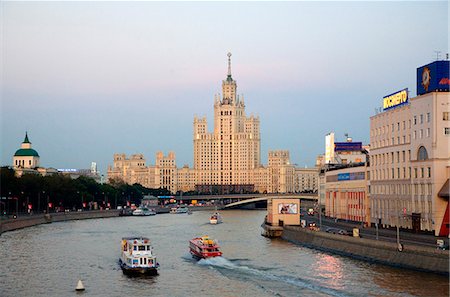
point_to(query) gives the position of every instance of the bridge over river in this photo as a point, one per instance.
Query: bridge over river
(243, 200)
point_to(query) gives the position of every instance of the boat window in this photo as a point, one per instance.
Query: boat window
(134, 248)
(145, 261)
(148, 247)
(142, 247)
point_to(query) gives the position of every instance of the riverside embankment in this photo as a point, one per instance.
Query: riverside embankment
(38, 219)
(412, 256)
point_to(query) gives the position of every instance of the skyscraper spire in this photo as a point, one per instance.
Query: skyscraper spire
(229, 66)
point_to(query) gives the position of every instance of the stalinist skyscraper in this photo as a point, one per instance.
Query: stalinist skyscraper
(228, 155)
(226, 160)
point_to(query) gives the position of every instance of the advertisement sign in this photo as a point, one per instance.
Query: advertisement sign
(347, 146)
(287, 208)
(343, 176)
(433, 77)
(396, 99)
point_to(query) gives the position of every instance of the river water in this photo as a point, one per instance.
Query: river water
(48, 260)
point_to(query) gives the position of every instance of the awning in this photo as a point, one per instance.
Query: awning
(444, 192)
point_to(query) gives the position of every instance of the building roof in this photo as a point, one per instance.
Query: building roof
(26, 153)
(26, 138)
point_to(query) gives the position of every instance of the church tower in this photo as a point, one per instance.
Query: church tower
(26, 157)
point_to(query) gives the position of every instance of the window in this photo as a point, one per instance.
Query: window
(421, 133)
(422, 154)
(414, 134)
(429, 171)
(398, 126)
(446, 131)
(445, 116)
(415, 120)
(427, 132)
(428, 117)
(421, 118)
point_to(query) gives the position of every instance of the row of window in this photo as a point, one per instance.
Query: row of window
(402, 173)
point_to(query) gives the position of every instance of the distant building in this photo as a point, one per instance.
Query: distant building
(306, 180)
(343, 152)
(226, 160)
(410, 157)
(25, 157)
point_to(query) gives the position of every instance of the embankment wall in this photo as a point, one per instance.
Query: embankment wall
(412, 257)
(28, 221)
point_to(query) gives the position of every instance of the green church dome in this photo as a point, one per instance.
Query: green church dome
(26, 153)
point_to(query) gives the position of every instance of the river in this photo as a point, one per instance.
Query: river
(48, 260)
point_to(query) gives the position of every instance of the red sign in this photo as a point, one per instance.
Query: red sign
(50, 204)
(84, 204)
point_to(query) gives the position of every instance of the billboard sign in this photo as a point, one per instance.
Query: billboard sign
(287, 208)
(396, 99)
(343, 176)
(433, 77)
(347, 146)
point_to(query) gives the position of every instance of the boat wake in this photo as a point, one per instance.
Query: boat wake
(250, 273)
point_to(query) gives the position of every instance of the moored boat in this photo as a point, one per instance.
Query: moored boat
(181, 209)
(137, 256)
(143, 211)
(216, 218)
(204, 247)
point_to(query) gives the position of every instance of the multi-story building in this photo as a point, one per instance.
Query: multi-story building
(226, 160)
(410, 155)
(229, 154)
(306, 180)
(347, 194)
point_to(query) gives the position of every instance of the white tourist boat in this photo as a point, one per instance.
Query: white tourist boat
(216, 218)
(143, 211)
(137, 256)
(177, 210)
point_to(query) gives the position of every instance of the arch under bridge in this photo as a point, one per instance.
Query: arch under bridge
(256, 200)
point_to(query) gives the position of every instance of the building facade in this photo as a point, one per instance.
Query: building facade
(347, 193)
(25, 157)
(410, 160)
(229, 154)
(226, 160)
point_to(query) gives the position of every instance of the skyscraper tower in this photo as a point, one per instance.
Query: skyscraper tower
(229, 154)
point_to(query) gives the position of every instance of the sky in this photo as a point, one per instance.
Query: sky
(90, 79)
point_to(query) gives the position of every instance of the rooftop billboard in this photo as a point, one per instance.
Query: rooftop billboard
(396, 99)
(433, 77)
(347, 146)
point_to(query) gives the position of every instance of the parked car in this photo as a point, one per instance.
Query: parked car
(337, 231)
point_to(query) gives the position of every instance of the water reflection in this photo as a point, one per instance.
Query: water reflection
(48, 260)
(329, 268)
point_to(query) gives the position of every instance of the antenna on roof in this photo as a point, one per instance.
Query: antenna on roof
(438, 53)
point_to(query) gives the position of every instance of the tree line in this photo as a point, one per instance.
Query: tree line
(37, 193)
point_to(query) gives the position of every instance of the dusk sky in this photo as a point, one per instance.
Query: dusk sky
(90, 79)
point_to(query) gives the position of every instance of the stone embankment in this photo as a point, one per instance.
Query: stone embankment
(411, 257)
(37, 219)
